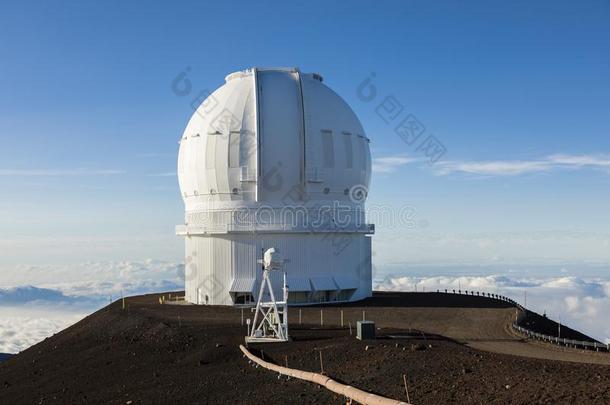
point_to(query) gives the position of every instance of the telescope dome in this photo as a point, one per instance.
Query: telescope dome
(267, 132)
(275, 159)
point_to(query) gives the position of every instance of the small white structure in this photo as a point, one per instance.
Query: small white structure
(271, 317)
(274, 158)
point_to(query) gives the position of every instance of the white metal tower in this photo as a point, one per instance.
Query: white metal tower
(273, 323)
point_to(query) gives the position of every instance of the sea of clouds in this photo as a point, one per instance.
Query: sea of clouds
(62, 295)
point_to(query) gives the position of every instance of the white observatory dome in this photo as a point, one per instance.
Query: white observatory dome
(266, 140)
(308, 137)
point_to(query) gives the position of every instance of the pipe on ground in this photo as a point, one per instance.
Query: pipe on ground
(355, 394)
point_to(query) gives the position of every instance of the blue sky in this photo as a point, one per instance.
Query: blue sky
(517, 92)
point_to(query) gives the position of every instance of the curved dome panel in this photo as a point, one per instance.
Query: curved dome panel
(217, 143)
(267, 132)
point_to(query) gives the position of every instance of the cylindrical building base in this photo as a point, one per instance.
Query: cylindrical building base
(321, 267)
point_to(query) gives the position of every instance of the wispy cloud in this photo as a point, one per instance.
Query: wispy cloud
(493, 168)
(59, 172)
(156, 154)
(518, 167)
(163, 174)
(580, 160)
(389, 164)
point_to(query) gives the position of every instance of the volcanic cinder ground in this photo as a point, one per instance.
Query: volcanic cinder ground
(453, 349)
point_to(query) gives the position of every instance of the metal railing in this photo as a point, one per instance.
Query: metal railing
(484, 294)
(561, 341)
(585, 344)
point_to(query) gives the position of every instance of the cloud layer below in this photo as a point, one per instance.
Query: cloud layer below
(66, 294)
(22, 327)
(28, 313)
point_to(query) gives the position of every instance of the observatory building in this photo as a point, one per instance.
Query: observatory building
(274, 158)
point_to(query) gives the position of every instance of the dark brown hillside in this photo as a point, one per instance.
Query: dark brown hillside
(152, 353)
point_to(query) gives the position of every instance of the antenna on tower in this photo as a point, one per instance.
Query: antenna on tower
(271, 317)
